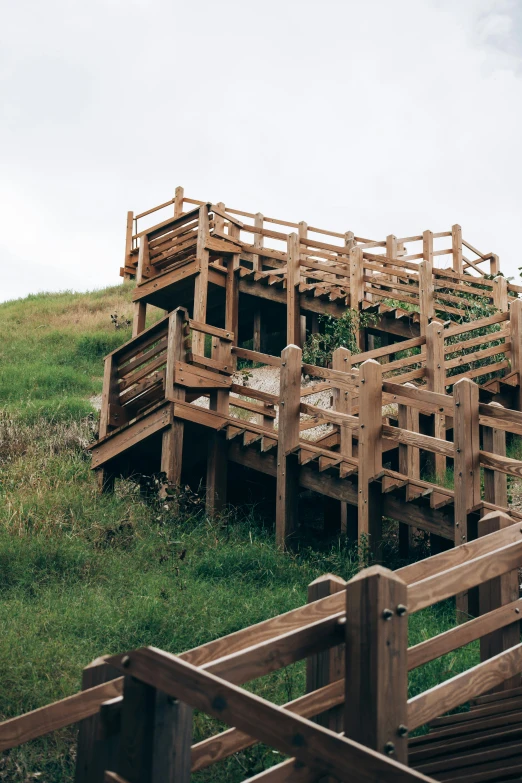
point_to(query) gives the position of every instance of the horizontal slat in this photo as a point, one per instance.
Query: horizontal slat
(513, 467)
(460, 689)
(464, 576)
(223, 334)
(463, 634)
(256, 356)
(480, 324)
(16, 731)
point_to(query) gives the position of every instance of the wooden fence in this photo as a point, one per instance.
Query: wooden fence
(136, 708)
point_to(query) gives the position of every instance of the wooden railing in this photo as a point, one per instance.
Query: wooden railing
(136, 708)
(352, 270)
(162, 365)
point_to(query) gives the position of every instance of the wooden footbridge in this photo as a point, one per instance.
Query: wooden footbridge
(442, 389)
(355, 720)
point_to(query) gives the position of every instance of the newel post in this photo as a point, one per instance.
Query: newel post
(376, 703)
(201, 282)
(155, 737)
(288, 440)
(328, 666)
(293, 276)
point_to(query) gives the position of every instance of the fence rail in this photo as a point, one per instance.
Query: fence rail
(147, 725)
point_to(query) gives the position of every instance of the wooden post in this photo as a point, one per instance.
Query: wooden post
(376, 705)
(342, 402)
(435, 381)
(258, 242)
(288, 439)
(500, 293)
(498, 592)
(127, 275)
(357, 288)
(328, 666)
(427, 308)
(178, 202)
(293, 329)
(156, 735)
(201, 284)
(495, 483)
(172, 439)
(494, 265)
(409, 465)
(232, 291)
(466, 465)
(90, 755)
(515, 327)
(143, 272)
(356, 277)
(456, 247)
(349, 240)
(370, 456)
(391, 252)
(217, 460)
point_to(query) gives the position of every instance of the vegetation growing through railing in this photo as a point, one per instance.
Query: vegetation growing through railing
(336, 333)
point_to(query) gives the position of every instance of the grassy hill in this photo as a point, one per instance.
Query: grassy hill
(83, 575)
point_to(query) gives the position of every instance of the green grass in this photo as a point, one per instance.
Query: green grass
(83, 575)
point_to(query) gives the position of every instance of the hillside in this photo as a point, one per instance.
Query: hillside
(83, 575)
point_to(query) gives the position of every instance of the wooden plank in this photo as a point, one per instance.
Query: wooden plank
(458, 690)
(256, 356)
(115, 444)
(218, 747)
(376, 708)
(480, 324)
(386, 350)
(463, 634)
(512, 467)
(72, 709)
(289, 733)
(223, 334)
(197, 377)
(464, 576)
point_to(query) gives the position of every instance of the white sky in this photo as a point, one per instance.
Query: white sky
(382, 116)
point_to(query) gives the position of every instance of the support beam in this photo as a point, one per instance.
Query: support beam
(495, 483)
(466, 468)
(409, 465)
(342, 402)
(172, 441)
(217, 458)
(370, 457)
(515, 323)
(435, 382)
(288, 439)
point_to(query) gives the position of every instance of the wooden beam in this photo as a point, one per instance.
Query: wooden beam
(456, 248)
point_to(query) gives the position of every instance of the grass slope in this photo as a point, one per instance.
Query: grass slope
(83, 575)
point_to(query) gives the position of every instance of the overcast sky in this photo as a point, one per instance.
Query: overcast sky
(378, 117)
